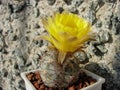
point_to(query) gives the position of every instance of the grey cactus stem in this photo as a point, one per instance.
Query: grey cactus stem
(54, 74)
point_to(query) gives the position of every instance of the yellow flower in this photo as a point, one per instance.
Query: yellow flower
(67, 32)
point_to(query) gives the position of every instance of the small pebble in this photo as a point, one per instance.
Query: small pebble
(80, 85)
(36, 12)
(4, 72)
(51, 88)
(34, 2)
(104, 37)
(81, 56)
(36, 85)
(118, 11)
(76, 3)
(19, 6)
(71, 88)
(68, 2)
(74, 10)
(98, 24)
(42, 86)
(51, 2)
(28, 64)
(14, 38)
(60, 9)
(91, 17)
(102, 48)
(36, 26)
(4, 51)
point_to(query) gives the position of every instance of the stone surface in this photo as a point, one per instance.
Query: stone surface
(104, 37)
(51, 2)
(81, 57)
(20, 25)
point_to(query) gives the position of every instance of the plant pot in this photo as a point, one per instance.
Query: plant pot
(96, 86)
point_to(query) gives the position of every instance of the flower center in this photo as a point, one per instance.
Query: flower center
(68, 21)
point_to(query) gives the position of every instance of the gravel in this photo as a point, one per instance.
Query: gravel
(102, 49)
(36, 12)
(77, 3)
(51, 2)
(4, 72)
(20, 24)
(68, 2)
(34, 2)
(81, 56)
(115, 25)
(105, 37)
(118, 11)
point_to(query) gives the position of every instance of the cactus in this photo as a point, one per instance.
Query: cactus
(67, 34)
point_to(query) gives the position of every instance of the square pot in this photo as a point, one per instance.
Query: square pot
(95, 86)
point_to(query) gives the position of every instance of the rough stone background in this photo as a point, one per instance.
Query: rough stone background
(20, 24)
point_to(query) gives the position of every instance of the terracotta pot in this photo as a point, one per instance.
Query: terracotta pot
(95, 86)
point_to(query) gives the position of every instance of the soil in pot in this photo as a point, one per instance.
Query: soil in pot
(37, 82)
